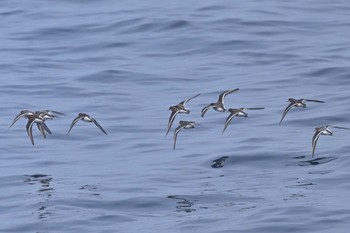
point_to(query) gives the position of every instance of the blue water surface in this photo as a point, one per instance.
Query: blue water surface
(125, 63)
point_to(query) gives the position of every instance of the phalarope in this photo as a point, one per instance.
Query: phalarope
(182, 125)
(323, 130)
(85, 117)
(179, 108)
(45, 114)
(237, 112)
(218, 106)
(23, 113)
(49, 114)
(35, 118)
(297, 103)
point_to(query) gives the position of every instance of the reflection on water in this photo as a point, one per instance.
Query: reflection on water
(317, 161)
(92, 189)
(183, 204)
(218, 163)
(45, 191)
(299, 184)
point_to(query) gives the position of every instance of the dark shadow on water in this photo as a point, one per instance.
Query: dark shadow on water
(218, 163)
(43, 180)
(91, 189)
(317, 161)
(183, 204)
(300, 184)
(299, 157)
(45, 190)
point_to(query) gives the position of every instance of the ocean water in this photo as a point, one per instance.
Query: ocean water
(125, 63)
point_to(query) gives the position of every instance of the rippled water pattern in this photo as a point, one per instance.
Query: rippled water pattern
(125, 63)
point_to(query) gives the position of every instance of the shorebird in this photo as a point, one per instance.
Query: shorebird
(49, 114)
(323, 130)
(85, 117)
(297, 103)
(217, 163)
(36, 118)
(45, 114)
(23, 113)
(179, 108)
(237, 112)
(182, 125)
(218, 106)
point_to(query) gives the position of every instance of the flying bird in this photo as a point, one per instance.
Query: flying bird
(323, 130)
(297, 103)
(23, 113)
(182, 125)
(237, 112)
(36, 118)
(179, 108)
(85, 117)
(218, 106)
(45, 114)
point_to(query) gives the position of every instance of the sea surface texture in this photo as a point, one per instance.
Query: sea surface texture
(125, 63)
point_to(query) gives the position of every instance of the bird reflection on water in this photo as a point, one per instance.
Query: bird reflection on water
(183, 204)
(45, 191)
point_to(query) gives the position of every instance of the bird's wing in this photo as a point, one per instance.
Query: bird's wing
(171, 120)
(339, 127)
(176, 132)
(55, 112)
(314, 141)
(222, 95)
(98, 125)
(41, 129)
(17, 118)
(46, 128)
(29, 128)
(229, 119)
(285, 111)
(317, 101)
(254, 108)
(74, 122)
(185, 101)
(205, 109)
